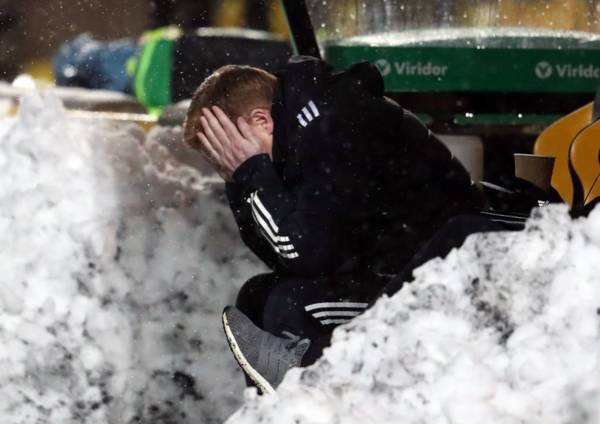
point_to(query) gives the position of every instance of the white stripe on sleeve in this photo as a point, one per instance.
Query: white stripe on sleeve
(301, 120)
(258, 221)
(313, 108)
(259, 213)
(264, 226)
(289, 254)
(306, 113)
(263, 210)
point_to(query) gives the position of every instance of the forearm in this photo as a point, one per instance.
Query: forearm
(249, 232)
(302, 234)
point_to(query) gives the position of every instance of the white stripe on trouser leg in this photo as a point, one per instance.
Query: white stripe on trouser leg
(313, 108)
(306, 113)
(334, 321)
(301, 120)
(323, 314)
(323, 305)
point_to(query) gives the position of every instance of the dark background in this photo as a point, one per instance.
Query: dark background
(31, 31)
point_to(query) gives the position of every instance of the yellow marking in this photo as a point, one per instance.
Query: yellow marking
(585, 159)
(555, 141)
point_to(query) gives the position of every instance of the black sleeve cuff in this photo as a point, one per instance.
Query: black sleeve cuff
(244, 174)
(235, 194)
(240, 187)
(258, 174)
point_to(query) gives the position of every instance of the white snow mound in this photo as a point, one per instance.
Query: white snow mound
(115, 264)
(503, 330)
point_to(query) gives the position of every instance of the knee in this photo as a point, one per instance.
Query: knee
(290, 295)
(255, 285)
(460, 221)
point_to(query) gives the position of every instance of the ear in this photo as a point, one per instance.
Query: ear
(262, 117)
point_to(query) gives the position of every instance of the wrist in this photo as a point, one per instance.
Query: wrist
(244, 173)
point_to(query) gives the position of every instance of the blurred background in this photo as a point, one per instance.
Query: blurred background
(349, 18)
(32, 31)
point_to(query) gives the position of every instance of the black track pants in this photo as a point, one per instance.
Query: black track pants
(451, 235)
(309, 308)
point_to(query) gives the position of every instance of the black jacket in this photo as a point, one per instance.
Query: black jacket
(355, 181)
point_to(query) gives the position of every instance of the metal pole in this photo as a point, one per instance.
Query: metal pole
(301, 29)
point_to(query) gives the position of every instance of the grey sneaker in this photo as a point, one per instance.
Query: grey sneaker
(265, 358)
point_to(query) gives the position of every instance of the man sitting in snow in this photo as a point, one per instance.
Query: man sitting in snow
(333, 186)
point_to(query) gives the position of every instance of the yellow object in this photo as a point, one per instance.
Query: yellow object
(232, 13)
(147, 122)
(277, 21)
(554, 14)
(41, 71)
(556, 140)
(585, 160)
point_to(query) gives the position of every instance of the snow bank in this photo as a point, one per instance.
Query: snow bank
(115, 264)
(504, 330)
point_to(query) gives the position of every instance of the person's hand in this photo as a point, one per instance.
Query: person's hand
(225, 146)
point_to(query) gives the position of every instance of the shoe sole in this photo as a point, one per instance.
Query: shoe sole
(262, 384)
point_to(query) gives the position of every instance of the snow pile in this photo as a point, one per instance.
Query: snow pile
(115, 264)
(504, 330)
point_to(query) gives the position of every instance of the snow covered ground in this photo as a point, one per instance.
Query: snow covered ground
(116, 261)
(505, 330)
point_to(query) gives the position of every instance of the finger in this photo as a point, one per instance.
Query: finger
(220, 163)
(220, 143)
(209, 151)
(216, 127)
(210, 135)
(239, 147)
(230, 129)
